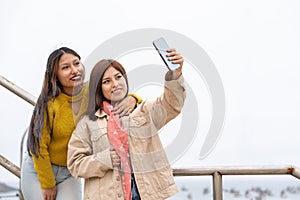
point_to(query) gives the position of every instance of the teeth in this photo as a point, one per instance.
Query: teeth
(75, 78)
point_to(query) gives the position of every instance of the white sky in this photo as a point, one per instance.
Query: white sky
(255, 46)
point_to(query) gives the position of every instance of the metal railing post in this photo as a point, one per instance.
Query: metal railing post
(217, 186)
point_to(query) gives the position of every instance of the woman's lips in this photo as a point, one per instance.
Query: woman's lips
(76, 78)
(118, 90)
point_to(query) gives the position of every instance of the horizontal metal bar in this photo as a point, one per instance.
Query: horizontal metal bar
(239, 170)
(295, 171)
(17, 90)
(225, 170)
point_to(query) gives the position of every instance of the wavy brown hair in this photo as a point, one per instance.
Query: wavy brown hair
(51, 89)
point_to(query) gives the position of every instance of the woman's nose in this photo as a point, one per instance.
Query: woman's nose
(115, 82)
(74, 70)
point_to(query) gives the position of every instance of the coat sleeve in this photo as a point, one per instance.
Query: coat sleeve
(81, 161)
(167, 106)
(173, 97)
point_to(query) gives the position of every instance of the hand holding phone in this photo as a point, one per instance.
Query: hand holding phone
(162, 46)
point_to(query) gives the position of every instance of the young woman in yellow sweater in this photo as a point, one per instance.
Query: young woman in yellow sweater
(63, 99)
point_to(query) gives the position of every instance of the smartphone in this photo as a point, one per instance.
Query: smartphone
(162, 46)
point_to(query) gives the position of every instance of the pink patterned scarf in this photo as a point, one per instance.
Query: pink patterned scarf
(118, 137)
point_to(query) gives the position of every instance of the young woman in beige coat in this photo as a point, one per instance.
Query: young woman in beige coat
(123, 158)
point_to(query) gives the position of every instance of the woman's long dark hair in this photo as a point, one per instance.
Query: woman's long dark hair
(51, 89)
(96, 96)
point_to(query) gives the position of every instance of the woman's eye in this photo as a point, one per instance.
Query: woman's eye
(77, 63)
(105, 82)
(119, 76)
(65, 67)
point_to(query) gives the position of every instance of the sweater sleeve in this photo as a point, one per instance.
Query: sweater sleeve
(42, 163)
(137, 97)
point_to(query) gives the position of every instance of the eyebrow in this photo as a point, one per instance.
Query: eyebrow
(107, 78)
(65, 63)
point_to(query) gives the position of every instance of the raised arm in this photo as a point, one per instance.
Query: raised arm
(167, 106)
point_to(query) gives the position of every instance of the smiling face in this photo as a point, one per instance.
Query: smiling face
(113, 85)
(70, 73)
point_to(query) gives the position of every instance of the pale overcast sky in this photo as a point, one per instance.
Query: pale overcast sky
(254, 45)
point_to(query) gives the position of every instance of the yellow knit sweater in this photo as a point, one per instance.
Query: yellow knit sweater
(54, 143)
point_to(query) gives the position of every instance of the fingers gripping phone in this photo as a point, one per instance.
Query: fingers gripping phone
(162, 46)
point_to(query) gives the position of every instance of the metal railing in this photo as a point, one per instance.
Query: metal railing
(17, 90)
(218, 172)
(215, 172)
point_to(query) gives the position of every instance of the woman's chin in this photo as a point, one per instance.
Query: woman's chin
(117, 98)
